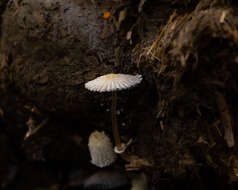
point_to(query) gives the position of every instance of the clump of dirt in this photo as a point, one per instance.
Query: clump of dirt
(53, 47)
(193, 63)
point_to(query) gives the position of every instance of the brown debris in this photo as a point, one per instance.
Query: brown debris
(32, 127)
(192, 62)
(135, 162)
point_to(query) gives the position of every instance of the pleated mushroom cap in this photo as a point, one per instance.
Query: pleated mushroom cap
(113, 82)
(101, 149)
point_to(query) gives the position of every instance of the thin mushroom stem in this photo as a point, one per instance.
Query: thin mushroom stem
(114, 122)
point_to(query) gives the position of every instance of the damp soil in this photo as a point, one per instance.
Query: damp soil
(182, 117)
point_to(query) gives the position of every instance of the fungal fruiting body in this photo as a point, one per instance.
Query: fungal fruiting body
(112, 83)
(101, 149)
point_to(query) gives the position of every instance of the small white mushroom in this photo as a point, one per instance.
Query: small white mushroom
(112, 83)
(101, 149)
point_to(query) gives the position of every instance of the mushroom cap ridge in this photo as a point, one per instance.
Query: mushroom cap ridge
(113, 82)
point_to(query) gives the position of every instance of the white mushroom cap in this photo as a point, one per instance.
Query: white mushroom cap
(101, 149)
(113, 82)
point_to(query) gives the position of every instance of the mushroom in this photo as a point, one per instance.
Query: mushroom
(101, 149)
(112, 83)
